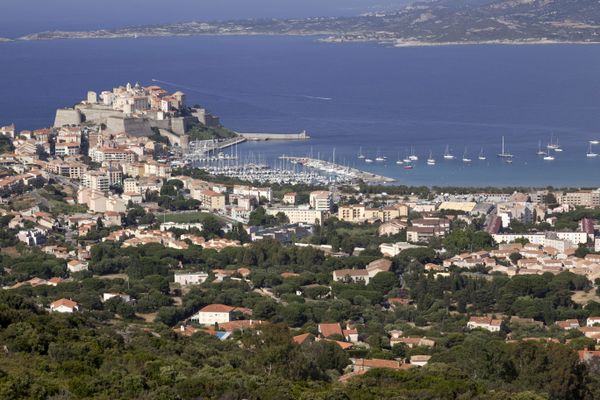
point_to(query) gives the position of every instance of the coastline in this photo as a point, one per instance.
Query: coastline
(322, 37)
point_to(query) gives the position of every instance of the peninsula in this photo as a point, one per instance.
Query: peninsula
(421, 23)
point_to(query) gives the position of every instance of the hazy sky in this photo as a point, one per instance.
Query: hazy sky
(18, 17)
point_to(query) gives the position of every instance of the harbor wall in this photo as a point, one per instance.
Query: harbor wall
(274, 136)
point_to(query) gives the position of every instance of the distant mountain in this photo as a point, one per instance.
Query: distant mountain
(426, 22)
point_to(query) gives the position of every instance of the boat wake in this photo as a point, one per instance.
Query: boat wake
(317, 98)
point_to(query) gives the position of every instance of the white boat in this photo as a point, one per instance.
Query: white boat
(447, 154)
(361, 156)
(548, 157)
(379, 157)
(590, 153)
(540, 152)
(595, 141)
(399, 161)
(466, 159)
(430, 160)
(554, 146)
(412, 156)
(482, 156)
(504, 153)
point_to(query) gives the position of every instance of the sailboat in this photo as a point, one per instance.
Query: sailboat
(504, 153)
(594, 141)
(412, 156)
(540, 152)
(361, 156)
(548, 157)
(368, 160)
(447, 154)
(399, 161)
(482, 156)
(554, 146)
(379, 157)
(466, 159)
(430, 160)
(590, 153)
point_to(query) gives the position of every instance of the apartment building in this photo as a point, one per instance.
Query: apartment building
(66, 149)
(359, 213)
(211, 199)
(321, 200)
(581, 198)
(255, 192)
(112, 154)
(298, 215)
(69, 169)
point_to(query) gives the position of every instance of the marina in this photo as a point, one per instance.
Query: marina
(349, 173)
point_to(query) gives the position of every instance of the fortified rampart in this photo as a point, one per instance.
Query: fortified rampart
(133, 126)
(116, 121)
(68, 116)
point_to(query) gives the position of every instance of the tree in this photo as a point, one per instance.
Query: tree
(259, 217)
(211, 227)
(383, 282)
(515, 257)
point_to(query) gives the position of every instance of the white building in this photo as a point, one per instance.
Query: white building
(66, 149)
(213, 314)
(255, 192)
(77, 266)
(186, 226)
(298, 215)
(123, 296)
(487, 323)
(64, 306)
(96, 180)
(591, 321)
(321, 200)
(541, 238)
(190, 278)
(393, 249)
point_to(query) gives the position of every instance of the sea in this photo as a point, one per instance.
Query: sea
(349, 97)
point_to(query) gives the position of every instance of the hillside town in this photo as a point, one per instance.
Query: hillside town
(110, 223)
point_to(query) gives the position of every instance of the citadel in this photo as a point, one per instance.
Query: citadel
(137, 110)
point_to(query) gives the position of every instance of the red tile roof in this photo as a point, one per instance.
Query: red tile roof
(219, 308)
(328, 330)
(64, 302)
(303, 338)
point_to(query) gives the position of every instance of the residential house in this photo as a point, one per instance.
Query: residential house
(568, 324)
(124, 297)
(64, 306)
(487, 323)
(77, 266)
(190, 278)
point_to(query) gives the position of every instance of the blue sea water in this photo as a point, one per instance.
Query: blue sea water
(347, 96)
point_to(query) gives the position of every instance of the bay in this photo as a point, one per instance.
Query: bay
(383, 99)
